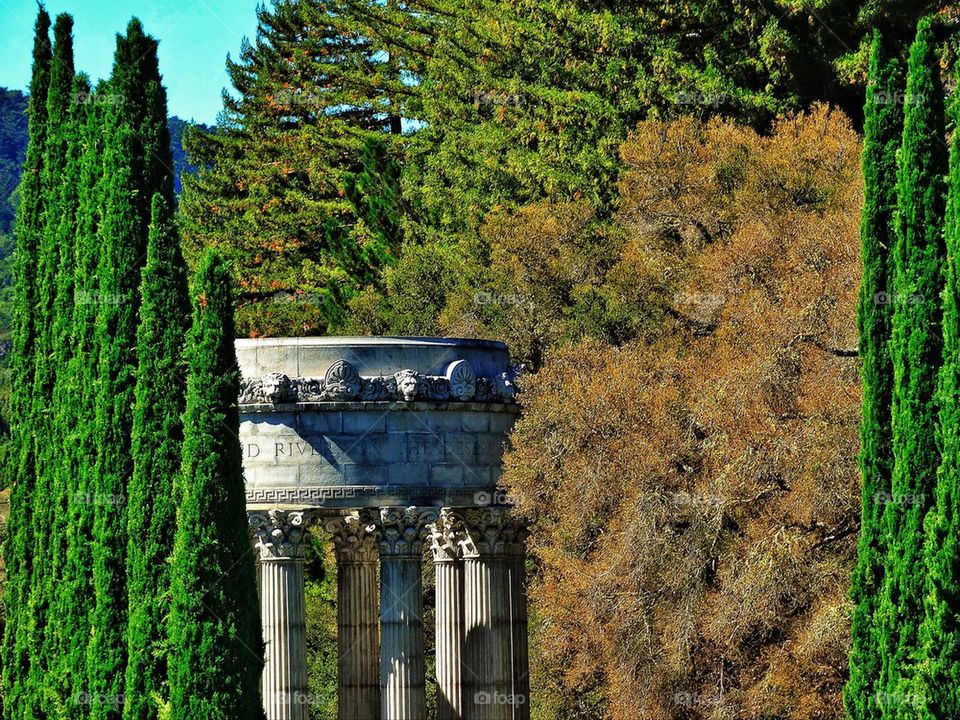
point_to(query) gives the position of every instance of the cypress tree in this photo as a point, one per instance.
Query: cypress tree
(916, 348)
(157, 440)
(938, 680)
(883, 128)
(216, 648)
(28, 231)
(60, 198)
(137, 164)
(80, 448)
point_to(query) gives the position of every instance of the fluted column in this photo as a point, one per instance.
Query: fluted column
(496, 683)
(446, 539)
(280, 537)
(400, 535)
(358, 646)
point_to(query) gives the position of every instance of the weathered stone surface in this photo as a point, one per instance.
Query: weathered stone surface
(319, 414)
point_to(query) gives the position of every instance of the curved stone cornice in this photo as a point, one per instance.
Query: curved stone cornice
(352, 538)
(493, 531)
(447, 536)
(400, 531)
(342, 383)
(280, 534)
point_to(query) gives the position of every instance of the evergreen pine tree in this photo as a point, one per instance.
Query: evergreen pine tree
(20, 472)
(271, 193)
(137, 164)
(916, 347)
(937, 684)
(216, 647)
(157, 440)
(883, 130)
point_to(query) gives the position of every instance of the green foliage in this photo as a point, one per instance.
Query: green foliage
(58, 184)
(136, 166)
(937, 685)
(156, 447)
(216, 649)
(916, 349)
(80, 447)
(321, 612)
(272, 190)
(19, 541)
(883, 130)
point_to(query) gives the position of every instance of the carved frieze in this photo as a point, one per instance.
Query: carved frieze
(342, 383)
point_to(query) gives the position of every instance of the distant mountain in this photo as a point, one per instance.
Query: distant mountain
(13, 147)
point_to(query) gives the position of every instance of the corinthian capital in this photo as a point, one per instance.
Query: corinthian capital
(447, 536)
(352, 538)
(400, 531)
(280, 534)
(492, 531)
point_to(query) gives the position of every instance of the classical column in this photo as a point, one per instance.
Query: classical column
(281, 537)
(496, 683)
(446, 538)
(400, 534)
(358, 683)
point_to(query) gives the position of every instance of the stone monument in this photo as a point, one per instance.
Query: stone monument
(393, 446)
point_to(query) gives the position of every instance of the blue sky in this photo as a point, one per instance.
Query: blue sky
(195, 37)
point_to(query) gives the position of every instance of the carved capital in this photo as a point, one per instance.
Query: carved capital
(352, 538)
(280, 534)
(401, 531)
(493, 531)
(447, 536)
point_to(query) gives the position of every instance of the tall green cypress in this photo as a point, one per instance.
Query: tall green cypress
(60, 198)
(136, 165)
(28, 231)
(937, 684)
(883, 129)
(157, 444)
(916, 353)
(216, 648)
(80, 447)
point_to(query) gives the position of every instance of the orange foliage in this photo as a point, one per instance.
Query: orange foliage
(695, 496)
